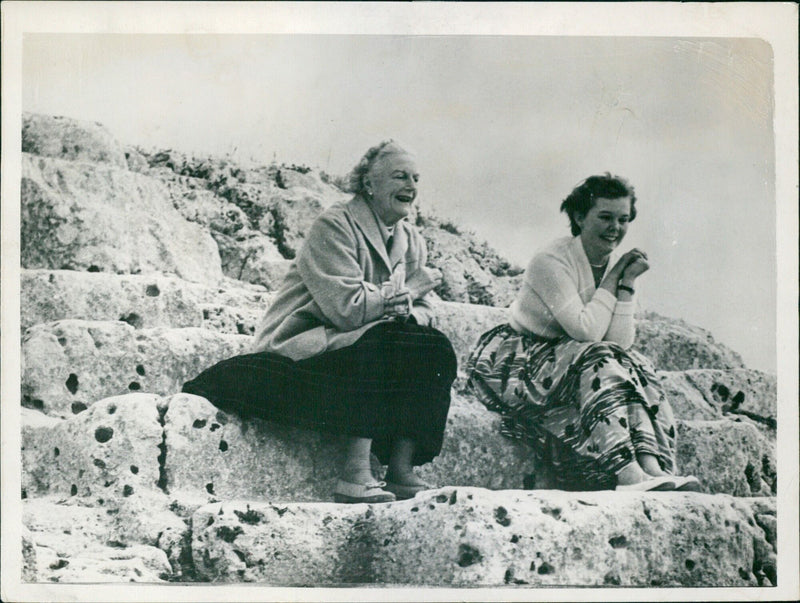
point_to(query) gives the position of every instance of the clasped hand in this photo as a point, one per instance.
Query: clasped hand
(399, 296)
(635, 264)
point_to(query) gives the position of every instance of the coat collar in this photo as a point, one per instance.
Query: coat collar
(366, 221)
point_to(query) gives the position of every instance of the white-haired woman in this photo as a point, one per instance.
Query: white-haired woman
(347, 346)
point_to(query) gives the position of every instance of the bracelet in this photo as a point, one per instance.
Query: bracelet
(626, 288)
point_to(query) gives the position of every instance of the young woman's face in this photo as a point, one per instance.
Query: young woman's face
(604, 226)
(392, 179)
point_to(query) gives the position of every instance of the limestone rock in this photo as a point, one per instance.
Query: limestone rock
(741, 394)
(135, 161)
(673, 345)
(464, 278)
(141, 301)
(69, 364)
(475, 454)
(74, 544)
(29, 561)
(212, 453)
(474, 537)
(209, 452)
(110, 451)
(292, 213)
(310, 183)
(465, 323)
(253, 258)
(727, 456)
(91, 216)
(67, 138)
(198, 204)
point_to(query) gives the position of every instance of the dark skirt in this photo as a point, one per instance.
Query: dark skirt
(586, 408)
(393, 382)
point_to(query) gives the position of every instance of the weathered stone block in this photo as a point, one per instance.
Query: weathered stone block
(713, 393)
(217, 454)
(465, 323)
(673, 345)
(141, 301)
(95, 217)
(476, 537)
(209, 452)
(727, 456)
(69, 364)
(110, 451)
(66, 138)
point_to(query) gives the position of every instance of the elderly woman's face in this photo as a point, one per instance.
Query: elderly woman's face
(392, 179)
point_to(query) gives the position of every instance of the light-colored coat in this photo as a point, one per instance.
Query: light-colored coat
(331, 294)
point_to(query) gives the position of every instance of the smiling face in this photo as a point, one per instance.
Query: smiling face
(604, 226)
(392, 180)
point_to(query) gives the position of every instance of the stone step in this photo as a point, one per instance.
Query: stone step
(125, 444)
(69, 364)
(233, 306)
(77, 360)
(143, 301)
(141, 537)
(468, 537)
(472, 537)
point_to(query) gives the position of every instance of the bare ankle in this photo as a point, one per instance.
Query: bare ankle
(631, 474)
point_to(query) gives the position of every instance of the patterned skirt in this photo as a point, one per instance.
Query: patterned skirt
(587, 409)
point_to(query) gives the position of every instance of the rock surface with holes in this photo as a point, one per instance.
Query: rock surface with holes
(69, 364)
(141, 301)
(476, 537)
(110, 450)
(96, 540)
(142, 268)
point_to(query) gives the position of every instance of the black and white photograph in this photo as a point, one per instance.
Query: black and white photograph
(399, 301)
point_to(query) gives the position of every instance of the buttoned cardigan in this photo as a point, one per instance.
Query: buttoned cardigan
(558, 297)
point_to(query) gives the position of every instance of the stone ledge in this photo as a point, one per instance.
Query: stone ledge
(476, 537)
(69, 364)
(183, 443)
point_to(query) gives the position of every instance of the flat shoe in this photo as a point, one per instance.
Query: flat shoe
(348, 492)
(656, 484)
(688, 483)
(405, 492)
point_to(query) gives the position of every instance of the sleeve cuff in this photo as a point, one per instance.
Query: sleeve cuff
(606, 298)
(374, 307)
(624, 308)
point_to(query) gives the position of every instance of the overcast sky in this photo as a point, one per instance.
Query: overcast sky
(503, 127)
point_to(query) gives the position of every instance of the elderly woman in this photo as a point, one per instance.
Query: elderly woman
(347, 346)
(561, 372)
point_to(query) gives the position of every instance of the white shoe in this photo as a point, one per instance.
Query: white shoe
(688, 483)
(655, 484)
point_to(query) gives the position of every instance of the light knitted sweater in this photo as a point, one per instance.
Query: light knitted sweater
(558, 297)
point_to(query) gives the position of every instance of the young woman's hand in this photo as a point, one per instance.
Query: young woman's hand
(635, 269)
(628, 258)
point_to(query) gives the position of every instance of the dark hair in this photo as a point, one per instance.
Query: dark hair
(582, 198)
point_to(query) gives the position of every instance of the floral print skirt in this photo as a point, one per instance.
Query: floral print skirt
(586, 408)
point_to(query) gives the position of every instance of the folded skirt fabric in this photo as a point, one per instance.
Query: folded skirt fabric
(586, 408)
(393, 382)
